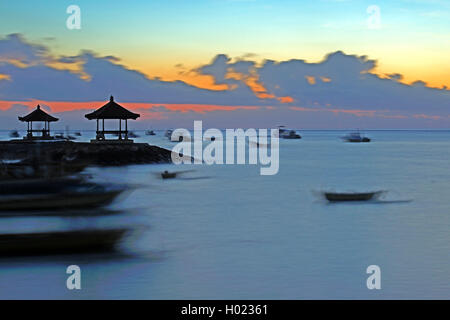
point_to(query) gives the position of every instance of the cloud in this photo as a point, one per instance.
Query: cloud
(14, 49)
(341, 85)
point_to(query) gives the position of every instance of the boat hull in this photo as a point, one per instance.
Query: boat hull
(340, 197)
(358, 140)
(60, 242)
(58, 201)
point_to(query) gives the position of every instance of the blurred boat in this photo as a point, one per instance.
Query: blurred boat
(168, 134)
(66, 137)
(55, 194)
(131, 134)
(76, 212)
(77, 133)
(14, 134)
(355, 137)
(40, 168)
(288, 133)
(291, 134)
(168, 175)
(363, 196)
(72, 241)
(150, 133)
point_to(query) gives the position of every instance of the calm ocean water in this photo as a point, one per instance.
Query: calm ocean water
(226, 232)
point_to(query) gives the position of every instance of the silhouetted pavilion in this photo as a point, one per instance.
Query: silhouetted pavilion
(38, 115)
(112, 110)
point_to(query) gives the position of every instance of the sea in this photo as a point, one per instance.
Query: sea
(228, 232)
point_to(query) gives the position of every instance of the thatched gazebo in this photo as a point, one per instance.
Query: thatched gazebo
(109, 111)
(38, 115)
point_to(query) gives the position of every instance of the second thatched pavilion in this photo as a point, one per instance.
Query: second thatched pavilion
(112, 111)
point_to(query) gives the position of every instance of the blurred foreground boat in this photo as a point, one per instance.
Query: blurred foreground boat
(87, 240)
(40, 168)
(339, 197)
(55, 194)
(69, 213)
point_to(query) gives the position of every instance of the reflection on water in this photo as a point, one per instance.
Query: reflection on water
(241, 235)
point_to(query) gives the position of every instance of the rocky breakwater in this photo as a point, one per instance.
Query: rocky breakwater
(101, 154)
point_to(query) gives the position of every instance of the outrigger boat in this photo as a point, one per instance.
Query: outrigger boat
(363, 196)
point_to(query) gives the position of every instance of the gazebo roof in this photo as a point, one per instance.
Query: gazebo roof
(112, 110)
(38, 115)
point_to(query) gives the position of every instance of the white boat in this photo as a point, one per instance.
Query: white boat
(288, 133)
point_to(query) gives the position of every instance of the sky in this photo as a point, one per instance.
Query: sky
(311, 64)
